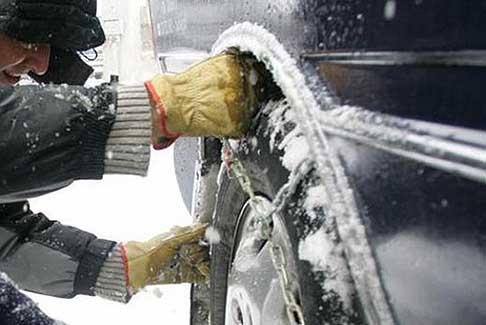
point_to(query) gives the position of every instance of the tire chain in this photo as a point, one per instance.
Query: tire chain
(265, 222)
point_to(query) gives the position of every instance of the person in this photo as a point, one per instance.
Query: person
(52, 134)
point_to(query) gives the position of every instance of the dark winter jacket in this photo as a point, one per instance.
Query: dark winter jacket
(49, 137)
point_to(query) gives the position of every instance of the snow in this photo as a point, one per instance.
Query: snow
(212, 236)
(157, 292)
(253, 143)
(297, 150)
(390, 9)
(294, 142)
(316, 198)
(277, 119)
(330, 260)
(253, 77)
(109, 155)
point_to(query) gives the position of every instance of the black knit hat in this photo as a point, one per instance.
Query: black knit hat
(66, 24)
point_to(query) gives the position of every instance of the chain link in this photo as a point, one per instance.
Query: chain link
(264, 221)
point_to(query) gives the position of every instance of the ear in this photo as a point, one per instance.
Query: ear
(65, 67)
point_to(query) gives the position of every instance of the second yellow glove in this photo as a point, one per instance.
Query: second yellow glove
(173, 257)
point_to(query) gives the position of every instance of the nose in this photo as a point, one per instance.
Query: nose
(38, 59)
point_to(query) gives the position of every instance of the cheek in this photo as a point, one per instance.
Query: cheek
(10, 60)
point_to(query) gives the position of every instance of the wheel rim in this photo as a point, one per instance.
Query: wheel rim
(254, 294)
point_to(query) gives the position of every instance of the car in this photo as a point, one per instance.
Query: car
(358, 196)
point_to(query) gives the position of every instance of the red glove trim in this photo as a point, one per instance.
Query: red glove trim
(124, 257)
(162, 110)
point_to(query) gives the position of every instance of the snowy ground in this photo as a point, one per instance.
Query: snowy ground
(122, 208)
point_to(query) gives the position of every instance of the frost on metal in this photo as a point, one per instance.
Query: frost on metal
(204, 194)
(340, 206)
(206, 185)
(449, 148)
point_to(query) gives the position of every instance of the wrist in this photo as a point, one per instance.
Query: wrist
(161, 100)
(128, 146)
(113, 279)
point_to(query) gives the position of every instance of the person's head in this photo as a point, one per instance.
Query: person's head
(18, 58)
(33, 30)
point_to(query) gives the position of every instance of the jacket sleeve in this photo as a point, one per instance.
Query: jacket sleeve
(47, 257)
(51, 136)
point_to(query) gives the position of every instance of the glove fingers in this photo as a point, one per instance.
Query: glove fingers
(163, 247)
(198, 257)
(179, 271)
(173, 257)
(204, 269)
(192, 274)
(187, 235)
(178, 236)
(194, 254)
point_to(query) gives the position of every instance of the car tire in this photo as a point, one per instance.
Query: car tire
(263, 164)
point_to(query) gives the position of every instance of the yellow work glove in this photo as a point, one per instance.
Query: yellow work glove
(173, 257)
(212, 98)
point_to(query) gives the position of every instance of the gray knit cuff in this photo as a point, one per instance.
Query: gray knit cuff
(112, 279)
(128, 147)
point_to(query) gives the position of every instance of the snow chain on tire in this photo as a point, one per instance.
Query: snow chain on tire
(265, 224)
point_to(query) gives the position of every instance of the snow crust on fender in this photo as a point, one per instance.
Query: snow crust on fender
(340, 204)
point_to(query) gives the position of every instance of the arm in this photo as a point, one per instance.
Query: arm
(49, 137)
(47, 257)
(53, 135)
